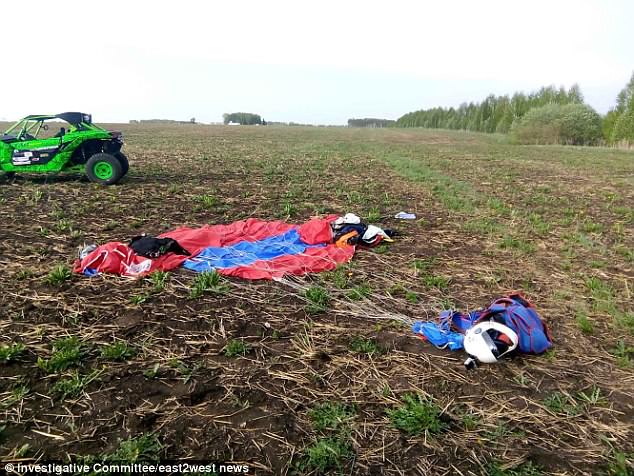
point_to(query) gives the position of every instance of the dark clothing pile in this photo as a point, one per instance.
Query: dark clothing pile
(152, 247)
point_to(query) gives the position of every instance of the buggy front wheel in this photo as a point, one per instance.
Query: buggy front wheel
(125, 166)
(104, 169)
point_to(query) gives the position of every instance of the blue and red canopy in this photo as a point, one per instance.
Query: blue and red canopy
(250, 249)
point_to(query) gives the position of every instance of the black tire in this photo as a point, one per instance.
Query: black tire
(9, 175)
(125, 166)
(104, 169)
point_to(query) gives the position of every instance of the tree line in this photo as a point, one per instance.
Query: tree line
(494, 114)
(371, 122)
(556, 115)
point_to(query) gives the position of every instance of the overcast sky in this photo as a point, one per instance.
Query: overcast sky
(318, 62)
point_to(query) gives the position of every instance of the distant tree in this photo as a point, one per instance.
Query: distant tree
(625, 95)
(624, 121)
(193, 120)
(519, 104)
(608, 123)
(370, 122)
(624, 125)
(242, 118)
(574, 95)
(506, 120)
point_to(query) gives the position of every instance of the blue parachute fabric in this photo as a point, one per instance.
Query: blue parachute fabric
(245, 253)
(459, 321)
(90, 272)
(438, 336)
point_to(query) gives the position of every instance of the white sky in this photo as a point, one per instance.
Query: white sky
(304, 61)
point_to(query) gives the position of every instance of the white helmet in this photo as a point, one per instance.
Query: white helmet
(481, 345)
(372, 234)
(347, 219)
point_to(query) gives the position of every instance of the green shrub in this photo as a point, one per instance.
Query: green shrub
(581, 125)
(571, 124)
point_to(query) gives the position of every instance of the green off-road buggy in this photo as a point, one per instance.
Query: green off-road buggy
(74, 144)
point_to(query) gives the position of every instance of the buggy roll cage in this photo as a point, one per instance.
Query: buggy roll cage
(77, 120)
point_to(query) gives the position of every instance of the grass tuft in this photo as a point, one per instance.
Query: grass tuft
(416, 415)
(236, 348)
(15, 397)
(363, 345)
(332, 416)
(360, 292)
(374, 215)
(585, 325)
(562, 404)
(205, 202)
(340, 276)
(621, 464)
(208, 281)
(117, 351)
(152, 372)
(24, 274)
(75, 384)
(524, 469)
(423, 266)
(67, 352)
(439, 282)
(625, 320)
(318, 299)
(159, 280)
(516, 244)
(144, 448)
(58, 275)
(623, 354)
(326, 454)
(10, 353)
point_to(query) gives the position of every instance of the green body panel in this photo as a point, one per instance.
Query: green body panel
(66, 146)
